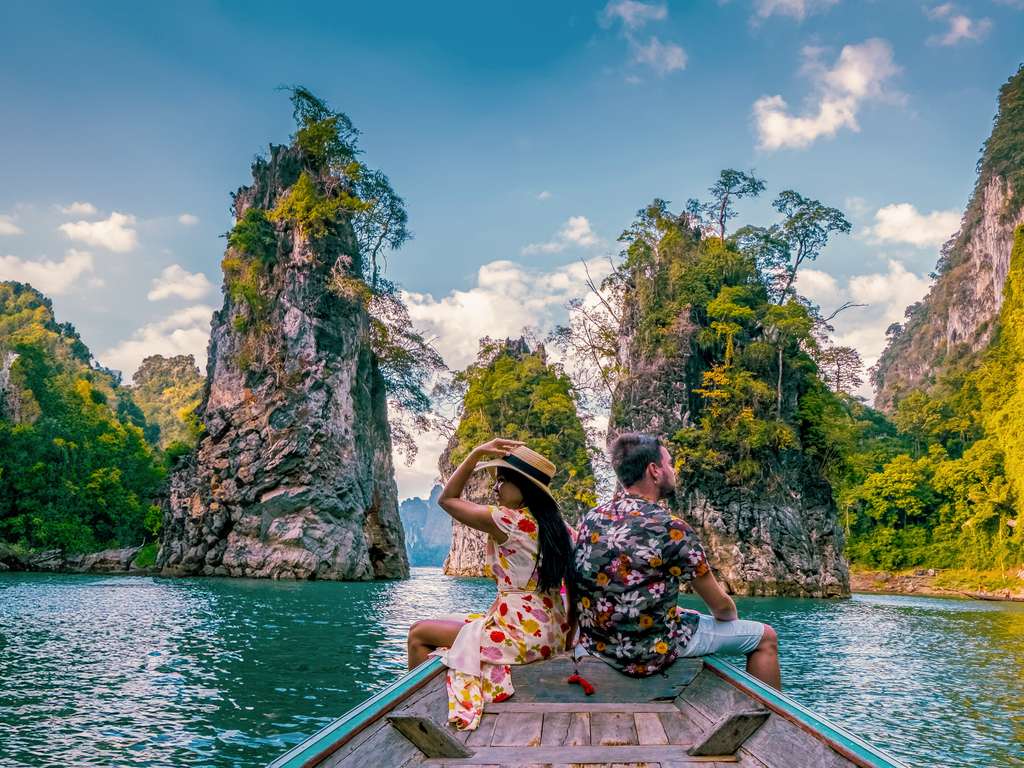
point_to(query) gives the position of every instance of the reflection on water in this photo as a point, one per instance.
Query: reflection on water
(154, 672)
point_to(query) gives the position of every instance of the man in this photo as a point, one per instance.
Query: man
(631, 555)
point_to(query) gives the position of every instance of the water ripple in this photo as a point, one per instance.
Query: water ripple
(131, 671)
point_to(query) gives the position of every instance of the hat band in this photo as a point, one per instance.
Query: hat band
(527, 469)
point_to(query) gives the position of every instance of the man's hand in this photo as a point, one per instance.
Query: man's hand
(722, 606)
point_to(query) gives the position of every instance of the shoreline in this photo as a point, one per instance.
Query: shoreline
(924, 583)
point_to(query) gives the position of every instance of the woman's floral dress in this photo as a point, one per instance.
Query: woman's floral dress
(522, 626)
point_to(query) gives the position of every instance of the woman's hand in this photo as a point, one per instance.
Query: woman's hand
(467, 512)
(499, 446)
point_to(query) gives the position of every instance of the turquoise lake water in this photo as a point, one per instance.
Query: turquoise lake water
(137, 671)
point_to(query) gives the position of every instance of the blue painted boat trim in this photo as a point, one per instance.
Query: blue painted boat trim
(832, 732)
(331, 737)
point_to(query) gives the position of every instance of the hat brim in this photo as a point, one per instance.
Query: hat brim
(495, 463)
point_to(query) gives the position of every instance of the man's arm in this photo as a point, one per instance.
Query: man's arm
(722, 606)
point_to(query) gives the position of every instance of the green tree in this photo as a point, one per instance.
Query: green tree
(514, 392)
(732, 185)
(781, 249)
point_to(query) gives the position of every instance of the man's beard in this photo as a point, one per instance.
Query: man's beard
(667, 492)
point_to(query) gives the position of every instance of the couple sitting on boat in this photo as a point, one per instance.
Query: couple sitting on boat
(622, 568)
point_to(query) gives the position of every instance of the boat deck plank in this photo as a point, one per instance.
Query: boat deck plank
(583, 706)
(649, 729)
(556, 728)
(481, 737)
(547, 682)
(518, 729)
(612, 729)
(603, 756)
(579, 730)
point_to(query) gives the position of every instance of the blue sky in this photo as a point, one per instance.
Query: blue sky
(523, 137)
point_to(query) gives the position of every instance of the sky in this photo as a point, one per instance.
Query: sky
(523, 137)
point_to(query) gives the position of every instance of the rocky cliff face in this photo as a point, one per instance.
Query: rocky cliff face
(957, 317)
(783, 539)
(428, 529)
(294, 477)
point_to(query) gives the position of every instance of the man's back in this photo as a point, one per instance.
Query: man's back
(630, 557)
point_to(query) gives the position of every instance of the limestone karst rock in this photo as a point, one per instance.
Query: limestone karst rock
(293, 477)
(428, 529)
(957, 317)
(781, 539)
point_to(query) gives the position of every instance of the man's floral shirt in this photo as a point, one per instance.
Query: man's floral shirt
(630, 557)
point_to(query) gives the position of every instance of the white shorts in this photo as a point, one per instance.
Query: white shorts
(714, 636)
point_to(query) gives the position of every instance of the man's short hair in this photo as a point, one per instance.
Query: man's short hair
(632, 453)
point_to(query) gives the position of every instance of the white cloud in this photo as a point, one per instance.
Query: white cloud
(176, 281)
(903, 223)
(959, 28)
(887, 295)
(417, 479)
(114, 233)
(188, 220)
(51, 277)
(79, 209)
(185, 332)
(545, 195)
(857, 206)
(663, 58)
(859, 74)
(8, 227)
(797, 9)
(507, 297)
(575, 231)
(633, 15)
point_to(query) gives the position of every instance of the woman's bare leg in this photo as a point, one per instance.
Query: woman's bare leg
(425, 636)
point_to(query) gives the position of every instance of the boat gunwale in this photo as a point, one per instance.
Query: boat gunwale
(333, 736)
(328, 740)
(847, 744)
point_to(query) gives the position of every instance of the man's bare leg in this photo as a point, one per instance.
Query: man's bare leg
(763, 662)
(425, 636)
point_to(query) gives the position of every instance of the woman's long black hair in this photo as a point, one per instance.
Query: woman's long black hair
(554, 547)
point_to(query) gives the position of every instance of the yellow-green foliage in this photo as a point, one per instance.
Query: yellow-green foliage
(1001, 378)
(312, 212)
(684, 286)
(521, 397)
(954, 496)
(73, 472)
(254, 236)
(242, 278)
(168, 390)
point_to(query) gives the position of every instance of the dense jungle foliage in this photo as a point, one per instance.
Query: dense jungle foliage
(942, 485)
(76, 468)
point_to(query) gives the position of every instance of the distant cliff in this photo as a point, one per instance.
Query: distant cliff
(956, 320)
(428, 529)
(293, 477)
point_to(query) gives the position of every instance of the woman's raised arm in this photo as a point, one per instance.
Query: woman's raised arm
(467, 512)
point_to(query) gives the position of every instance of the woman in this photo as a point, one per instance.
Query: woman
(529, 549)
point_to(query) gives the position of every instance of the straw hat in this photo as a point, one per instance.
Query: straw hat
(526, 463)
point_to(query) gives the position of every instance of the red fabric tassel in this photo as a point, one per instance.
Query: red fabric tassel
(588, 689)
